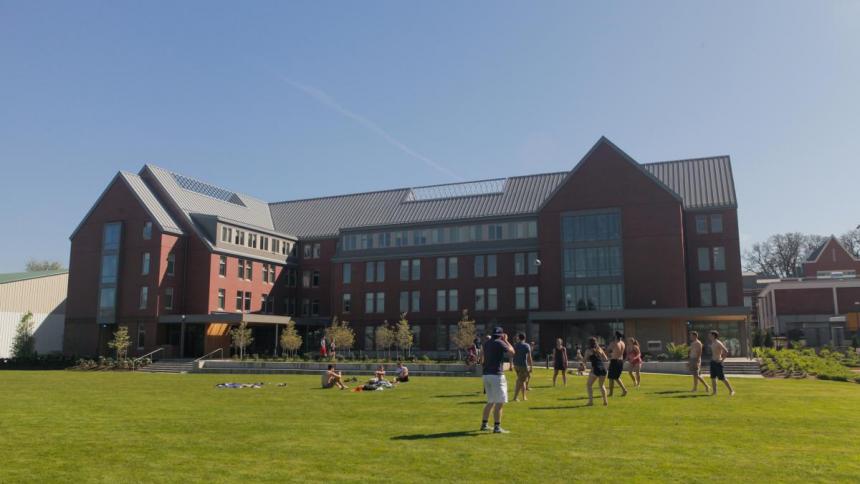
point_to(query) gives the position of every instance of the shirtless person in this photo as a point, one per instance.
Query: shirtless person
(719, 352)
(616, 363)
(334, 377)
(694, 364)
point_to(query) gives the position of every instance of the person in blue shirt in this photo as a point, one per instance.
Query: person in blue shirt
(522, 365)
(494, 352)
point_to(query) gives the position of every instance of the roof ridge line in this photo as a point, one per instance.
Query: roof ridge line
(685, 159)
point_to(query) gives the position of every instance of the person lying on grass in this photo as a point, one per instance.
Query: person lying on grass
(334, 377)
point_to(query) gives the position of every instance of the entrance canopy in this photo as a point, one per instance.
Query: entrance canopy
(712, 313)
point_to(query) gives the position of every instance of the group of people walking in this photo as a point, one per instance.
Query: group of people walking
(605, 364)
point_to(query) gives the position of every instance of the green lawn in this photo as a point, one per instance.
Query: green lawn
(122, 427)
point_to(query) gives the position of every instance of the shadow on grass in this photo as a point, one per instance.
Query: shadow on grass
(669, 392)
(462, 395)
(569, 407)
(692, 395)
(574, 399)
(540, 386)
(442, 435)
(473, 402)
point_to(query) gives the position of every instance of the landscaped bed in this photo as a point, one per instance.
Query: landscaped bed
(124, 426)
(825, 365)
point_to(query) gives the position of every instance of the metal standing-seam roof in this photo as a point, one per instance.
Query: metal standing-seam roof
(198, 197)
(700, 182)
(24, 276)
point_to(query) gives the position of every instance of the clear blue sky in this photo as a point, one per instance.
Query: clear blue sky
(287, 100)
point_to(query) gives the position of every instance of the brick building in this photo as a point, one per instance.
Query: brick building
(822, 306)
(651, 249)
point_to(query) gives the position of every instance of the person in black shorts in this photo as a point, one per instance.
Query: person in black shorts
(719, 353)
(616, 363)
(559, 362)
(595, 355)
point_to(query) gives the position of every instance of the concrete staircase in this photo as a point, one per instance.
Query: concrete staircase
(169, 366)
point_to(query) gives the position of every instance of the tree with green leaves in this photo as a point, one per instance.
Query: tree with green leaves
(403, 337)
(384, 338)
(241, 336)
(34, 265)
(120, 342)
(24, 343)
(341, 334)
(465, 335)
(291, 341)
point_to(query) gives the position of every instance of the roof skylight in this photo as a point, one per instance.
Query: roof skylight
(453, 190)
(206, 189)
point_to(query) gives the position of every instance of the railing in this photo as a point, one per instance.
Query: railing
(135, 361)
(207, 355)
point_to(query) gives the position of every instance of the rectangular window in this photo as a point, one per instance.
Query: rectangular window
(264, 243)
(368, 302)
(719, 258)
(222, 299)
(306, 279)
(520, 298)
(705, 295)
(141, 335)
(404, 270)
(249, 270)
(110, 268)
(440, 300)
(534, 303)
(241, 271)
(592, 262)
(701, 224)
(247, 301)
(276, 246)
(317, 251)
(491, 265)
(346, 303)
(452, 268)
(291, 277)
(315, 279)
(111, 236)
(440, 268)
(532, 260)
(306, 307)
(369, 271)
(226, 234)
(594, 297)
(716, 223)
(721, 294)
(480, 301)
(240, 237)
(453, 300)
(441, 337)
(347, 273)
(380, 302)
(492, 299)
(307, 250)
(404, 301)
(315, 307)
(144, 297)
(271, 273)
(239, 296)
(222, 265)
(416, 269)
(416, 301)
(168, 298)
(144, 264)
(591, 227)
(147, 230)
(252, 241)
(519, 264)
(265, 272)
(704, 259)
(479, 266)
(748, 301)
(380, 271)
(171, 264)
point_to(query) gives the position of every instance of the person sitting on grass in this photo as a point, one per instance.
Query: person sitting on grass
(380, 373)
(402, 373)
(333, 377)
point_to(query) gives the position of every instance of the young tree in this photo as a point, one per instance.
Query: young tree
(242, 337)
(341, 334)
(291, 341)
(34, 265)
(384, 338)
(120, 343)
(24, 344)
(465, 335)
(403, 335)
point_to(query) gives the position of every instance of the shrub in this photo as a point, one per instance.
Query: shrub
(662, 357)
(677, 352)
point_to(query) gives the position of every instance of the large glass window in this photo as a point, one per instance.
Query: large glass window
(704, 259)
(491, 265)
(719, 258)
(222, 265)
(479, 266)
(404, 301)
(721, 294)
(705, 296)
(440, 268)
(222, 298)
(532, 263)
(592, 262)
(480, 299)
(380, 271)
(380, 302)
(404, 270)
(594, 297)
(533, 298)
(147, 230)
(369, 271)
(520, 298)
(453, 300)
(144, 297)
(110, 267)
(440, 300)
(368, 302)
(346, 303)
(447, 235)
(168, 298)
(347, 273)
(416, 301)
(112, 232)
(519, 264)
(171, 264)
(452, 268)
(416, 269)
(591, 227)
(701, 224)
(492, 299)
(716, 223)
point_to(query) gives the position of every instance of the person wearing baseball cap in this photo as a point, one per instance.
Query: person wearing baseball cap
(495, 350)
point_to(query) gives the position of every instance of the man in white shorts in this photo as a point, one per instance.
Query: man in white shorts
(494, 352)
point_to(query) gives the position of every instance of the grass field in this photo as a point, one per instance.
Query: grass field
(122, 427)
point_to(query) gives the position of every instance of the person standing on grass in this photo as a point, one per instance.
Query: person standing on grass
(694, 364)
(719, 352)
(323, 351)
(595, 355)
(522, 365)
(634, 357)
(495, 384)
(616, 363)
(559, 362)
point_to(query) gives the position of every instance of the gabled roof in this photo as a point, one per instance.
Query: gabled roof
(816, 253)
(700, 183)
(24, 276)
(147, 199)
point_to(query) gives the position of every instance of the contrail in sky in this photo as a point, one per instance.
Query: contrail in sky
(323, 98)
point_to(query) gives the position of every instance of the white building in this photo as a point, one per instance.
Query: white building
(44, 295)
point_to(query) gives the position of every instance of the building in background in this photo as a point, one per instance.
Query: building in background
(649, 249)
(822, 307)
(41, 293)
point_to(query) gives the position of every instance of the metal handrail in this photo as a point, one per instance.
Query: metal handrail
(207, 355)
(134, 361)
